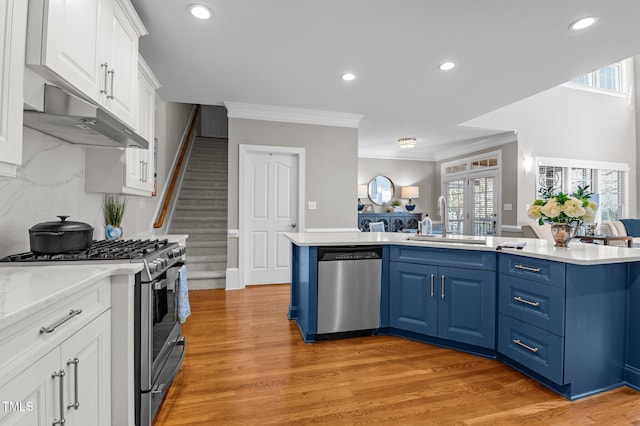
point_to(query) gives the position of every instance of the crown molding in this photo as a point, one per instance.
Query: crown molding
(292, 115)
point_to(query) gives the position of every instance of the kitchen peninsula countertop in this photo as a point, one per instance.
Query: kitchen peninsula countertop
(25, 290)
(577, 253)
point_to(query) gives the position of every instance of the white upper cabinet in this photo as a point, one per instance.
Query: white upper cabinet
(129, 171)
(13, 20)
(90, 47)
(141, 162)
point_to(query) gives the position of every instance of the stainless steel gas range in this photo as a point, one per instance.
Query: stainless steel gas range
(159, 344)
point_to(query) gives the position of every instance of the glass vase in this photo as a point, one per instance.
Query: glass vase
(562, 233)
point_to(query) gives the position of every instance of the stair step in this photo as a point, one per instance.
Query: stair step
(201, 234)
(207, 258)
(206, 251)
(195, 221)
(208, 266)
(207, 284)
(205, 209)
(205, 274)
(191, 202)
(208, 244)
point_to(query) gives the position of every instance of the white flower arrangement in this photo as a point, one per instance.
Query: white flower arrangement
(564, 209)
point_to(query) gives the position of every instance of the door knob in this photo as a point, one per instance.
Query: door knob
(293, 225)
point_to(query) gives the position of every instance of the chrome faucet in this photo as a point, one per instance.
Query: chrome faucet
(443, 211)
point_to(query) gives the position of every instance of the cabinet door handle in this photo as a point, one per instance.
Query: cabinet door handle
(432, 290)
(111, 72)
(51, 328)
(527, 268)
(75, 361)
(60, 375)
(442, 286)
(519, 343)
(106, 71)
(528, 302)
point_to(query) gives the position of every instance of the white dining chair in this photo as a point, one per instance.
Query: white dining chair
(376, 226)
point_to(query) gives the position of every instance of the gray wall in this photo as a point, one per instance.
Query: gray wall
(402, 173)
(331, 155)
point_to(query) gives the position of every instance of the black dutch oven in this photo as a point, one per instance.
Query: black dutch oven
(60, 237)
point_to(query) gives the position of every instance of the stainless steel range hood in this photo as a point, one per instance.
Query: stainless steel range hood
(77, 121)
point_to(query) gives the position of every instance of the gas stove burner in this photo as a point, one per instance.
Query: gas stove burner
(99, 250)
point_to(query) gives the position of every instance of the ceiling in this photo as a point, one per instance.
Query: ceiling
(292, 53)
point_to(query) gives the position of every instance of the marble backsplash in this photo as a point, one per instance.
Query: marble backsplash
(50, 182)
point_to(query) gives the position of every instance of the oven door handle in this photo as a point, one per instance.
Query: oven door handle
(160, 388)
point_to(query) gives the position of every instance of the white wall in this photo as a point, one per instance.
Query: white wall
(570, 123)
(50, 182)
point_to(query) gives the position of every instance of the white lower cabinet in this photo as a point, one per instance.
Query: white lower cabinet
(69, 385)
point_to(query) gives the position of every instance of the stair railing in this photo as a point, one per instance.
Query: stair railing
(176, 172)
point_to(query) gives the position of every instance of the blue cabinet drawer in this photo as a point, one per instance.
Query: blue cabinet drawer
(538, 304)
(536, 349)
(539, 270)
(469, 259)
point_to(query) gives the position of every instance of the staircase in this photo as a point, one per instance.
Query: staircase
(201, 212)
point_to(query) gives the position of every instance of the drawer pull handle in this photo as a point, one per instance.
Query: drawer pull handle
(432, 292)
(527, 268)
(51, 328)
(528, 302)
(75, 361)
(60, 376)
(518, 342)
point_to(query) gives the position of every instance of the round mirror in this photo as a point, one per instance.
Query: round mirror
(381, 190)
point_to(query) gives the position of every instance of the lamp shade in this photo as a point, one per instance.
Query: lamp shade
(410, 192)
(362, 191)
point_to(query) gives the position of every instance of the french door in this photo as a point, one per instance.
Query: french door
(472, 201)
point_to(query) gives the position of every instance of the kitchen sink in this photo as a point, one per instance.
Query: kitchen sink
(460, 239)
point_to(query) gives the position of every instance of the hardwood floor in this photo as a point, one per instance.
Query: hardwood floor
(246, 364)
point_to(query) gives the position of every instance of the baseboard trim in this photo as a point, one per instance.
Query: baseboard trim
(233, 279)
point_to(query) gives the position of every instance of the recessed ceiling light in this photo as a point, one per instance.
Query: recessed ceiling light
(447, 66)
(583, 23)
(348, 76)
(201, 12)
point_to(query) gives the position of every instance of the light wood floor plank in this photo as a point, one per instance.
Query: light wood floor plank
(246, 364)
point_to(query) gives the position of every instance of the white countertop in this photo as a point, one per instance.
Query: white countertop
(577, 252)
(151, 236)
(28, 289)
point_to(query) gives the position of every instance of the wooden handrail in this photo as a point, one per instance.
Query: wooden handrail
(176, 172)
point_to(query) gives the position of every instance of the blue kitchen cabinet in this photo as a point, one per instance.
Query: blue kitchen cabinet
(563, 324)
(432, 293)
(412, 305)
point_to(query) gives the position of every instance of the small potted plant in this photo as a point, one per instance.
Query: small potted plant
(396, 206)
(113, 209)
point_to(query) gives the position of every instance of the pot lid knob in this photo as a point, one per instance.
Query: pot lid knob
(63, 218)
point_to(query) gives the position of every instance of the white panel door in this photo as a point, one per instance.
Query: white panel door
(271, 200)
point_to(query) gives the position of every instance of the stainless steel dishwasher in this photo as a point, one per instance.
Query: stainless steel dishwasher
(349, 282)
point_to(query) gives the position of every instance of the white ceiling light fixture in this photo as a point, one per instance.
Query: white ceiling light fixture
(200, 11)
(348, 76)
(447, 66)
(407, 142)
(583, 23)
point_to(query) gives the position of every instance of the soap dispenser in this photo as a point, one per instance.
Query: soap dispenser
(427, 225)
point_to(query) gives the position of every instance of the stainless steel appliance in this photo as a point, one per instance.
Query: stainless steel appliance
(349, 285)
(159, 344)
(75, 120)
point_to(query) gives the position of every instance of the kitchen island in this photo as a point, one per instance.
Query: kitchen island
(62, 329)
(559, 315)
